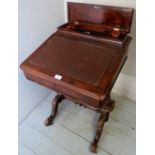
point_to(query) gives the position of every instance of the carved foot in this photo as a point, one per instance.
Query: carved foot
(49, 121)
(58, 98)
(93, 148)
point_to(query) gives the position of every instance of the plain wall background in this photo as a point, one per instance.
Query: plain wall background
(37, 20)
(130, 65)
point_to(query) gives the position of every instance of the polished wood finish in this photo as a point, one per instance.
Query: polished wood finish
(58, 98)
(104, 116)
(81, 62)
(109, 16)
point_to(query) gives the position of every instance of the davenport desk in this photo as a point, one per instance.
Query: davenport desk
(83, 58)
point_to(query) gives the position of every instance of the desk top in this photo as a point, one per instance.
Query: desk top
(82, 59)
(85, 64)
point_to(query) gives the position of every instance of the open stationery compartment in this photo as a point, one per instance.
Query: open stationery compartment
(110, 24)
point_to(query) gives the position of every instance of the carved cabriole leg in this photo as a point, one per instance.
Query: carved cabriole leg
(104, 116)
(101, 121)
(58, 98)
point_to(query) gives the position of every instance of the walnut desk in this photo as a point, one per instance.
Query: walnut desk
(82, 59)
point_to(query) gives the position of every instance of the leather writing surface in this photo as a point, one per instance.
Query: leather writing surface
(74, 58)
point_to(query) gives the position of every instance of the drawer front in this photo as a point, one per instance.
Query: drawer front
(68, 92)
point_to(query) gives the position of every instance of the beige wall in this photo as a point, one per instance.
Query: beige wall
(130, 66)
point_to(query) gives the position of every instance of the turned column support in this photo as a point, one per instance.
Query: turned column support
(58, 98)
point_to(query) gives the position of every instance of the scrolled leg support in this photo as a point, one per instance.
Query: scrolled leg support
(100, 124)
(104, 116)
(58, 98)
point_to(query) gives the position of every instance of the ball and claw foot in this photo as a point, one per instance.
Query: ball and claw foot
(93, 148)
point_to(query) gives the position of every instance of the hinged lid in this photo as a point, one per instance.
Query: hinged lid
(117, 18)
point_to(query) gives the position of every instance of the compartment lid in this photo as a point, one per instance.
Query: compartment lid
(111, 16)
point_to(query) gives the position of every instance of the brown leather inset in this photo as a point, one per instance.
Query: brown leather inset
(75, 59)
